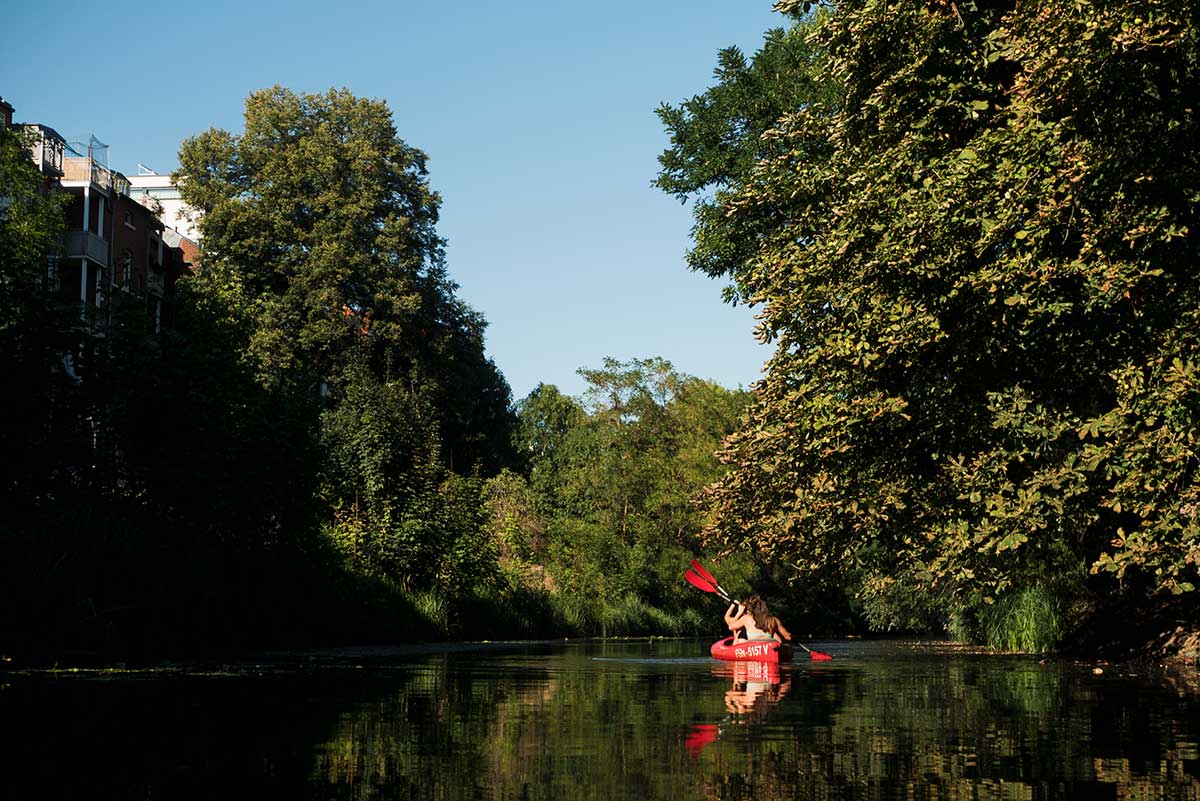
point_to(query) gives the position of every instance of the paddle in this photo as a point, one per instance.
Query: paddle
(701, 734)
(817, 656)
(702, 579)
(699, 568)
(696, 581)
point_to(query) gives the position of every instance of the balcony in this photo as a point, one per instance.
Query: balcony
(82, 168)
(86, 245)
(46, 147)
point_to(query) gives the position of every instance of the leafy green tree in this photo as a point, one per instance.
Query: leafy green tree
(40, 414)
(382, 462)
(717, 140)
(320, 376)
(983, 304)
(225, 459)
(614, 480)
(320, 233)
(514, 524)
(545, 420)
(324, 221)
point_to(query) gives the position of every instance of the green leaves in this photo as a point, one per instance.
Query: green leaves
(718, 138)
(320, 229)
(971, 242)
(325, 218)
(614, 479)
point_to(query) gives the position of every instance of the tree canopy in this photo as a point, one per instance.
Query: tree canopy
(319, 222)
(611, 478)
(35, 331)
(973, 246)
(716, 141)
(322, 253)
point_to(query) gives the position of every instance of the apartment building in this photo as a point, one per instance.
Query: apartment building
(159, 192)
(114, 249)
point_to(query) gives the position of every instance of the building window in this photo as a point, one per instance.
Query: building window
(129, 220)
(125, 269)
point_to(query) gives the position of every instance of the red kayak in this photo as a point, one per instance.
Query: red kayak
(752, 651)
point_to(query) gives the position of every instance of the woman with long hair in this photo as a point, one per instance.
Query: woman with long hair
(754, 621)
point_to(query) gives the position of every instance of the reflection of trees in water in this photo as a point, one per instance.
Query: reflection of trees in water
(562, 726)
(540, 731)
(987, 728)
(949, 728)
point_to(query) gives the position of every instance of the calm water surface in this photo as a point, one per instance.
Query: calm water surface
(625, 720)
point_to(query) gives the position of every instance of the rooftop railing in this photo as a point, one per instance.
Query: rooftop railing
(85, 169)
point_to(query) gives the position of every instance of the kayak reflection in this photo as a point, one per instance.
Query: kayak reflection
(755, 690)
(757, 687)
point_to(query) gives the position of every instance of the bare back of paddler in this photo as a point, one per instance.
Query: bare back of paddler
(750, 620)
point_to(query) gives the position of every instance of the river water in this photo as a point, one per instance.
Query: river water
(603, 720)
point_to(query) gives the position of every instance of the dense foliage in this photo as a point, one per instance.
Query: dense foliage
(319, 234)
(611, 482)
(316, 449)
(974, 247)
(34, 332)
(299, 456)
(716, 141)
(152, 490)
(320, 222)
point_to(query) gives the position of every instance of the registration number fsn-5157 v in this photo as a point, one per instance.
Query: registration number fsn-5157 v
(746, 651)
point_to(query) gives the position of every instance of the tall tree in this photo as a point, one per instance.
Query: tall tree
(320, 241)
(40, 414)
(323, 221)
(717, 141)
(984, 308)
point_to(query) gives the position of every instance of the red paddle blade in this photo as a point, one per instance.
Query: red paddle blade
(696, 581)
(699, 568)
(700, 735)
(819, 656)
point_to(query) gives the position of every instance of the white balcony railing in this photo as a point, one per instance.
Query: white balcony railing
(85, 244)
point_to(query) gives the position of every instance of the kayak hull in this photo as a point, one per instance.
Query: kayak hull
(767, 651)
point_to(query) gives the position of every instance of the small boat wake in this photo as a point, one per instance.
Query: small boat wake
(651, 660)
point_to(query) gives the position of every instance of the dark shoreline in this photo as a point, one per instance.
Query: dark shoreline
(1175, 653)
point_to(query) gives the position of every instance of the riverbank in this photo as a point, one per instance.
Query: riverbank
(1179, 648)
(1167, 635)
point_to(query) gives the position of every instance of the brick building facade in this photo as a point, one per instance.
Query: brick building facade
(115, 250)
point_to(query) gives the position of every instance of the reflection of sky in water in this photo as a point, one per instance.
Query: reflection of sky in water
(617, 720)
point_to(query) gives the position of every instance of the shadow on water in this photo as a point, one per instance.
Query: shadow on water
(614, 720)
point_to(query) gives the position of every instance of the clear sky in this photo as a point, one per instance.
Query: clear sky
(538, 118)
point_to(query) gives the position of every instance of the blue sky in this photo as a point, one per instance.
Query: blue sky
(538, 119)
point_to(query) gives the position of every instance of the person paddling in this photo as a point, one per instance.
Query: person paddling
(754, 621)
